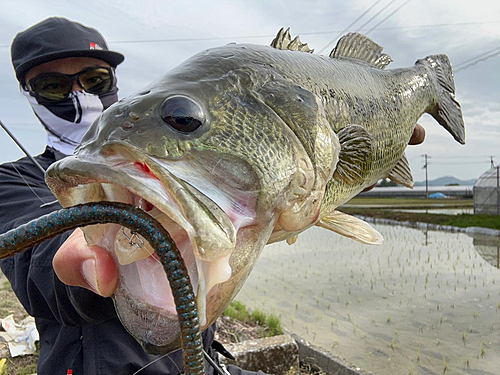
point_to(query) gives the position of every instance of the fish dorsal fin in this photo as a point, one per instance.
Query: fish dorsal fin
(358, 46)
(284, 41)
(401, 173)
(355, 145)
(352, 227)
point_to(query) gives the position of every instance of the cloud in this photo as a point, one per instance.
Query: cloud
(127, 20)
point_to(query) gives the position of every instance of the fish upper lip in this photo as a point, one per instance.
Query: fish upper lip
(210, 230)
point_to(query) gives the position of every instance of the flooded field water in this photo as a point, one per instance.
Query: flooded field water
(422, 303)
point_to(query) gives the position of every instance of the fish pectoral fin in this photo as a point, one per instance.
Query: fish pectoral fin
(284, 41)
(401, 173)
(352, 227)
(360, 47)
(355, 146)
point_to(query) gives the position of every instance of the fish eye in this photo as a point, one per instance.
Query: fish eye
(182, 114)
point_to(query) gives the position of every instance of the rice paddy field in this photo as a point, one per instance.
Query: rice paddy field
(423, 303)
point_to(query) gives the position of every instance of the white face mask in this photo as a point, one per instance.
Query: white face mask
(67, 121)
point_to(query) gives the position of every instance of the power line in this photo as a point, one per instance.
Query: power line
(190, 39)
(173, 40)
(477, 61)
(348, 27)
(463, 156)
(375, 16)
(460, 162)
(389, 16)
(438, 25)
(475, 57)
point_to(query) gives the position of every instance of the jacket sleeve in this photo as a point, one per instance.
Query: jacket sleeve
(24, 197)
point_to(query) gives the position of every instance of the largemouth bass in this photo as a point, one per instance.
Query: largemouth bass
(244, 145)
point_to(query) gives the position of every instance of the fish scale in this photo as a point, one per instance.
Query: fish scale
(390, 120)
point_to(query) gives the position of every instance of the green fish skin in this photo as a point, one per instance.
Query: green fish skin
(243, 145)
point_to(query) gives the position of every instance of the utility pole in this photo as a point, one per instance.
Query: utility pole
(426, 176)
(498, 183)
(492, 162)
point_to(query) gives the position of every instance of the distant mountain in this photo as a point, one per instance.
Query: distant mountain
(447, 180)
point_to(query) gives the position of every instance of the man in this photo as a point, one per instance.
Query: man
(67, 73)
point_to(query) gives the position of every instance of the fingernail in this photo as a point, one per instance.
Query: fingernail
(89, 272)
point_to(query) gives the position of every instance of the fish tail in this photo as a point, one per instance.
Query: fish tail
(447, 110)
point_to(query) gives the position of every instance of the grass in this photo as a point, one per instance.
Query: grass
(238, 311)
(410, 202)
(381, 207)
(25, 365)
(28, 370)
(460, 220)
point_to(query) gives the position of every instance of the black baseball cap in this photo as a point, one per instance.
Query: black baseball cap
(57, 38)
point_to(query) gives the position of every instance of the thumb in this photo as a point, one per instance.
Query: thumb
(90, 267)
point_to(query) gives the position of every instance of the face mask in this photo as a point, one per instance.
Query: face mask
(67, 121)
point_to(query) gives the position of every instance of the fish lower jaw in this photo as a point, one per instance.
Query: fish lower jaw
(141, 273)
(143, 298)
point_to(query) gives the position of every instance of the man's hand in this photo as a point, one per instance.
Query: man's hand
(417, 137)
(90, 267)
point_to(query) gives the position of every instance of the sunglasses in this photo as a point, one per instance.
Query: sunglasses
(54, 87)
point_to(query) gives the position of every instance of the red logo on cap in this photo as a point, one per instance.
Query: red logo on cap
(95, 46)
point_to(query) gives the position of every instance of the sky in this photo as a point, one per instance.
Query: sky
(156, 36)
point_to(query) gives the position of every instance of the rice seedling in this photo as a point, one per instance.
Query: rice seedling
(483, 350)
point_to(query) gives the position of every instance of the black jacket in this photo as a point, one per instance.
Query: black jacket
(79, 330)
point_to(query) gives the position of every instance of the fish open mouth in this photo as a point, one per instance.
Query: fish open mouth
(203, 228)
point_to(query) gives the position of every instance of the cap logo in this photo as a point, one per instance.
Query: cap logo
(95, 46)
